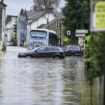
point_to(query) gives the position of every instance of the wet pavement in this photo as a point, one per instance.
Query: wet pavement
(25, 81)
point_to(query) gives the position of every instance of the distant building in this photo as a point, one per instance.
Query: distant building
(36, 19)
(11, 27)
(42, 19)
(22, 28)
(2, 22)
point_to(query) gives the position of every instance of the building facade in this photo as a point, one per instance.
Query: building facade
(22, 28)
(2, 24)
(44, 20)
(35, 19)
(11, 27)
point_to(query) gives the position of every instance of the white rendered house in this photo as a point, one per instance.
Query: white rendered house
(10, 22)
(2, 23)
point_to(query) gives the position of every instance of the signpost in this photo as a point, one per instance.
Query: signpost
(100, 15)
(68, 33)
(97, 15)
(81, 32)
(80, 35)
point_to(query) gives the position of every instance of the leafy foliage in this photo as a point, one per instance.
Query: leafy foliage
(76, 16)
(94, 54)
(43, 4)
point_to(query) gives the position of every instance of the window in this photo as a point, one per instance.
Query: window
(38, 34)
(53, 40)
(41, 49)
(74, 48)
(51, 49)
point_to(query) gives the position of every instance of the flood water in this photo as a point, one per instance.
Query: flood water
(48, 81)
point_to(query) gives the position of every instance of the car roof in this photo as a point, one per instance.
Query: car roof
(46, 46)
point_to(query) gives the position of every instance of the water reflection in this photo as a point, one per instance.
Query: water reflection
(41, 81)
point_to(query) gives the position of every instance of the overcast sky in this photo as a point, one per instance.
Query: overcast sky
(14, 6)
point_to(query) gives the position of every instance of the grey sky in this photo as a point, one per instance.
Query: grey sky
(14, 6)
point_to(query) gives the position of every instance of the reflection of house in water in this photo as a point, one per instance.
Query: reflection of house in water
(22, 28)
(2, 21)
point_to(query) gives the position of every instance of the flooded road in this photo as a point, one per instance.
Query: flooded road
(43, 81)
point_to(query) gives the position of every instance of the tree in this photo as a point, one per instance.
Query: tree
(23, 12)
(43, 4)
(94, 57)
(76, 16)
(14, 37)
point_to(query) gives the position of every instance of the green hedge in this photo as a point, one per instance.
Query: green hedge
(94, 54)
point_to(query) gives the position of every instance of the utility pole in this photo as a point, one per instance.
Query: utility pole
(59, 31)
(91, 14)
(104, 76)
(48, 9)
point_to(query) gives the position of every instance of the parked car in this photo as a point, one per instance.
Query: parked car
(74, 50)
(44, 51)
(9, 44)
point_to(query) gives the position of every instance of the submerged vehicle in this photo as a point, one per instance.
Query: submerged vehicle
(44, 51)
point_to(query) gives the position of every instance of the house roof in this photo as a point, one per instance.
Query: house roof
(9, 17)
(50, 23)
(1, 3)
(34, 15)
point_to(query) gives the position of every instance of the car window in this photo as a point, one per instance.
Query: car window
(55, 49)
(77, 48)
(51, 49)
(41, 49)
(74, 48)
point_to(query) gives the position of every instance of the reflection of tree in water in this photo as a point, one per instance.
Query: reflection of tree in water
(94, 91)
(73, 77)
(91, 92)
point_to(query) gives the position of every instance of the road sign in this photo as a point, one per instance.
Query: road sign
(68, 32)
(81, 31)
(80, 35)
(100, 14)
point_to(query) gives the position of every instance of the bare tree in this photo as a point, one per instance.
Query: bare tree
(45, 4)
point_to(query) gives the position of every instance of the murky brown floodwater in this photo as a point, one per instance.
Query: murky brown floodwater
(45, 81)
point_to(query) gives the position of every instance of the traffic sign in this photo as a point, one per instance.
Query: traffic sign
(68, 32)
(81, 31)
(80, 35)
(100, 14)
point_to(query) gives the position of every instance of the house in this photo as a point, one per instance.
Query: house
(42, 19)
(11, 23)
(2, 23)
(22, 28)
(36, 19)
